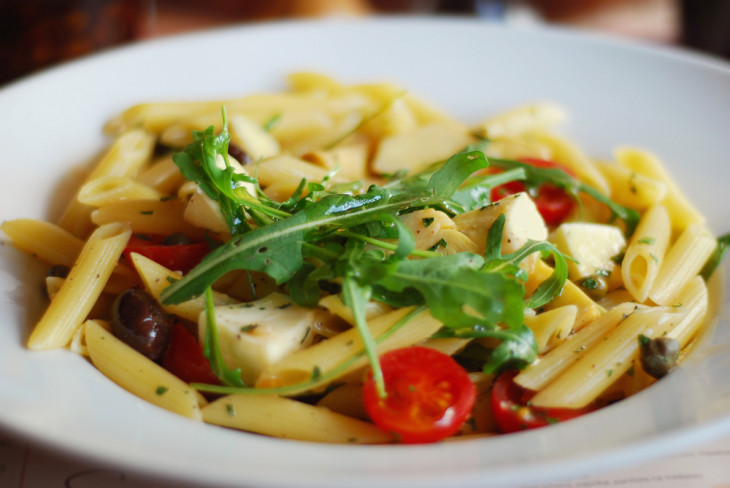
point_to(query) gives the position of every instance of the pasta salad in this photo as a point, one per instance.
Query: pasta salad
(346, 263)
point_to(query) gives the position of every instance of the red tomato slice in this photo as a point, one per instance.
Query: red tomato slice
(553, 203)
(429, 395)
(177, 257)
(510, 405)
(185, 359)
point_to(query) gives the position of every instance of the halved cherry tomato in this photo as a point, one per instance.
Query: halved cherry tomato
(177, 257)
(553, 203)
(185, 359)
(428, 397)
(512, 412)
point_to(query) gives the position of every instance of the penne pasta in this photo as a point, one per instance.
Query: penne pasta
(139, 375)
(347, 263)
(681, 211)
(82, 287)
(645, 253)
(682, 262)
(289, 419)
(611, 356)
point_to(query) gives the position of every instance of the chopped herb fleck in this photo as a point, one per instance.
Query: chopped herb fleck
(316, 373)
(646, 240)
(161, 390)
(230, 409)
(427, 221)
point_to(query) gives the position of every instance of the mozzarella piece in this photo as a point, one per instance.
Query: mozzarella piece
(592, 245)
(255, 335)
(522, 223)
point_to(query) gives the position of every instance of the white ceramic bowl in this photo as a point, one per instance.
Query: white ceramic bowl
(672, 102)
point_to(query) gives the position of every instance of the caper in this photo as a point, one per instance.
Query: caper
(658, 356)
(595, 286)
(139, 321)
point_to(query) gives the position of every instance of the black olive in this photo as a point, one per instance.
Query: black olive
(58, 271)
(658, 356)
(239, 154)
(176, 239)
(139, 321)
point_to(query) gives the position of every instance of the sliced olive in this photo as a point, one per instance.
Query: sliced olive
(58, 271)
(658, 356)
(239, 154)
(139, 321)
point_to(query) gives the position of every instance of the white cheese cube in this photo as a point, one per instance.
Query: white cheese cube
(255, 335)
(522, 223)
(592, 245)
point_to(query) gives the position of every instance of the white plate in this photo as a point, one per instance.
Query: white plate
(672, 102)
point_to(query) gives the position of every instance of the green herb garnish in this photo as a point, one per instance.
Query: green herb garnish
(355, 244)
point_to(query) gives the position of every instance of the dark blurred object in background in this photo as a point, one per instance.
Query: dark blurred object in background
(35, 34)
(38, 33)
(706, 26)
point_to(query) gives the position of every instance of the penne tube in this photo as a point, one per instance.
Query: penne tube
(148, 217)
(631, 189)
(156, 278)
(538, 116)
(682, 262)
(139, 375)
(48, 241)
(552, 327)
(681, 211)
(540, 373)
(291, 419)
(107, 190)
(163, 175)
(82, 287)
(126, 156)
(693, 302)
(612, 355)
(645, 253)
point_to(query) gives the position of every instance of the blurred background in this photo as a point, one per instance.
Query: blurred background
(35, 34)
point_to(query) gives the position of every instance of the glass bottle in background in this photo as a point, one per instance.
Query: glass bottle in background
(35, 34)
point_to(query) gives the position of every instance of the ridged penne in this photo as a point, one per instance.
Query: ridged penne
(82, 287)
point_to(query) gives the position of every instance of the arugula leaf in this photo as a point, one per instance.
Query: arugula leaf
(476, 192)
(276, 249)
(457, 169)
(458, 292)
(199, 163)
(212, 350)
(509, 264)
(517, 347)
